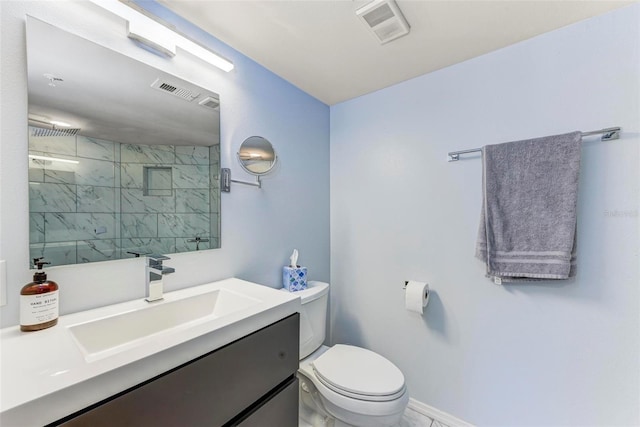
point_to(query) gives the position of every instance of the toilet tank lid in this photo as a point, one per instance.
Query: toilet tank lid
(314, 291)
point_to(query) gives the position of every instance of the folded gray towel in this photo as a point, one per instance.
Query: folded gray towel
(528, 221)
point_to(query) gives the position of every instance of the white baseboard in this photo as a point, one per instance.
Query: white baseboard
(436, 414)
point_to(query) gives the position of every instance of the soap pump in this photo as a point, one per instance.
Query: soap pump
(39, 301)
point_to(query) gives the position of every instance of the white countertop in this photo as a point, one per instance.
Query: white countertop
(46, 376)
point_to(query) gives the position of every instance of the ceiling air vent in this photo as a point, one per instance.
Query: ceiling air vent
(384, 19)
(210, 102)
(183, 93)
(42, 132)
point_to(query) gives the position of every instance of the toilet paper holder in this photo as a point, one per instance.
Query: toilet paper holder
(406, 282)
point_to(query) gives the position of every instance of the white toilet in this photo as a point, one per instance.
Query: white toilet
(343, 385)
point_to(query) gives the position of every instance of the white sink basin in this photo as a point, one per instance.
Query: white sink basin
(97, 337)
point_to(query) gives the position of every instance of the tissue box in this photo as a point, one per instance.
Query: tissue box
(294, 279)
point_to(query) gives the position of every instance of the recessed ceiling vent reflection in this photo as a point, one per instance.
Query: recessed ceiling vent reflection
(174, 90)
(43, 128)
(210, 102)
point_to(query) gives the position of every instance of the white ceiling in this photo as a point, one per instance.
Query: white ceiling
(324, 49)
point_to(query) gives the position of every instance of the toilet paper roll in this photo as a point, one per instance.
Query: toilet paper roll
(416, 296)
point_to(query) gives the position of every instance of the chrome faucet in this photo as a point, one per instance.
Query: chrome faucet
(154, 271)
(197, 240)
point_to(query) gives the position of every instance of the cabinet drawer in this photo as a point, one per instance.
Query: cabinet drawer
(210, 390)
(281, 410)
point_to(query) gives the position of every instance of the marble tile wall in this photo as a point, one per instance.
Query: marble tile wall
(214, 194)
(166, 198)
(101, 207)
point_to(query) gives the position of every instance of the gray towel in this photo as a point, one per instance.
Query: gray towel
(528, 221)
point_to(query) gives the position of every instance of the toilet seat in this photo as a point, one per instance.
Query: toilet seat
(358, 373)
(358, 409)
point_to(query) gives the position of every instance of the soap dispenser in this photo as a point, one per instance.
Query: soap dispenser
(39, 301)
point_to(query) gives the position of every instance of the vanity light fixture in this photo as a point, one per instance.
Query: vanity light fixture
(52, 159)
(159, 37)
(59, 123)
(145, 32)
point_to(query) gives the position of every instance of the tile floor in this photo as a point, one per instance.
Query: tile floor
(411, 418)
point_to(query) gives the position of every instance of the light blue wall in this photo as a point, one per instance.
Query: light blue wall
(564, 353)
(260, 227)
(547, 353)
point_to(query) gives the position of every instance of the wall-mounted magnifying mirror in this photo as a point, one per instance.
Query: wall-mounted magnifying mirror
(257, 157)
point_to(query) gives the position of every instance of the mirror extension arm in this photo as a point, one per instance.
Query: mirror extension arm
(225, 181)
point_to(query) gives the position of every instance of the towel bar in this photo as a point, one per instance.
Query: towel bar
(608, 134)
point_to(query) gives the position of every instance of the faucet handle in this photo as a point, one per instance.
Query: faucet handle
(158, 257)
(137, 253)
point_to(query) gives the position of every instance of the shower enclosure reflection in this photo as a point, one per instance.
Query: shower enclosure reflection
(123, 158)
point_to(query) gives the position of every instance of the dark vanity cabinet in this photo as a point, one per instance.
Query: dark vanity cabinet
(250, 382)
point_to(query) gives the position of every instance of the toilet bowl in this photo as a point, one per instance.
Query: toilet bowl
(343, 385)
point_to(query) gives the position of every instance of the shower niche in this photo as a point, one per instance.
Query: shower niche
(157, 181)
(123, 157)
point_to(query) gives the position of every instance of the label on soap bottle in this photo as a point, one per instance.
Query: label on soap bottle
(37, 309)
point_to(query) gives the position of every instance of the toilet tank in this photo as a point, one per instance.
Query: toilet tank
(313, 316)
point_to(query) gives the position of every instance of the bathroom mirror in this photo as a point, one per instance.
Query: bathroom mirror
(123, 157)
(256, 155)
